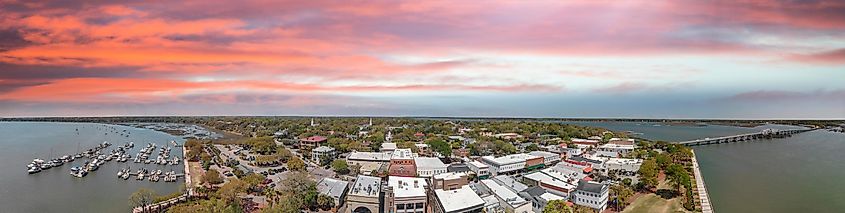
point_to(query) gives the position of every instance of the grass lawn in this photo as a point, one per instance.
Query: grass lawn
(651, 203)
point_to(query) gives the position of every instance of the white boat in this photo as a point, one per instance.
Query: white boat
(33, 170)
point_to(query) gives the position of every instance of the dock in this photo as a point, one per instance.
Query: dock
(701, 188)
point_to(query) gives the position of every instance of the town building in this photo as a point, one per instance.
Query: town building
(323, 153)
(587, 142)
(311, 142)
(333, 188)
(507, 136)
(507, 197)
(405, 195)
(449, 181)
(402, 163)
(369, 161)
(512, 163)
(388, 147)
(427, 166)
(615, 150)
(482, 171)
(459, 200)
(591, 194)
(549, 158)
(364, 196)
(539, 198)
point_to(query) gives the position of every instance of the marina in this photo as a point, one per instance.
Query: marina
(101, 189)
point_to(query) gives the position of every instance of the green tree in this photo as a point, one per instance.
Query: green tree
(648, 173)
(142, 198)
(532, 147)
(340, 166)
(296, 164)
(325, 202)
(557, 206)
(212, 177)
(620, 193)
(440, 146)
(253, 180)
(229, 191)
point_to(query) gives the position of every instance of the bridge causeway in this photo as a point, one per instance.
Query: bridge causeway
(765, 134)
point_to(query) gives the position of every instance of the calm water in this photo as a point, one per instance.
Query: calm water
(803, 173)
(54, 190)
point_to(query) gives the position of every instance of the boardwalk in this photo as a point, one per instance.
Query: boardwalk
(161, 206)
(706, 207)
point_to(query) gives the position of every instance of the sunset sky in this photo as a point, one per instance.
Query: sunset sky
(591, 58)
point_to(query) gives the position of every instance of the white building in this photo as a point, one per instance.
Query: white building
(482, 171)
(461, 200)
(508, 163)
(614, 150)
(333, 188)
(508, 198)
(322, 153)
(364, 195)
(549, 158)
(369, 161)
(592, 194)
(427, 166)
(406, 195)
(388, 147)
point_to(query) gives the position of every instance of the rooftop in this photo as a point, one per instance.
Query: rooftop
(590, 186)
(366, 186)
(503, 192)
(458, 167)
(510, 182)
(449, 176)
(429, 163)
(407, 186)
(402, 154)
(478, 164)
(551, 180)
(332, 187)
(388, 146)
(458, 199)
(617, 146)
(369, 156)
(543, 154)
(314, 139)
(323, 149)
(508, 159)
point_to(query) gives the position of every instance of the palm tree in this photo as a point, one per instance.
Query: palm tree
(620, 194)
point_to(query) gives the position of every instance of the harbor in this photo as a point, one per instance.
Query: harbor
(100, 190)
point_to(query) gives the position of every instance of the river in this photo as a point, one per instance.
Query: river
(54, 190)
(802, 173)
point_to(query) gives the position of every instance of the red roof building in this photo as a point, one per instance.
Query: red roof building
(311, 142)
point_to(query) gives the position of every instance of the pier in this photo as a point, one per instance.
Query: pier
(161, 206)
(765, 134)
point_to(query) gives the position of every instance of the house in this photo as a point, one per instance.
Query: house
(458, 168)
(449, 180)
(508, 199)
(482, 171)
(507, 136)
(427, 166)
(405, 195)
(364, 195)
(323, 153)
(459, 200)
(311, 142)
(333, 188)
(591, 194)
(369, 161)
(402, 163)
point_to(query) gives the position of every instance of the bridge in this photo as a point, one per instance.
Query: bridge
(765, 134)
